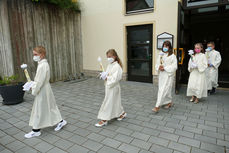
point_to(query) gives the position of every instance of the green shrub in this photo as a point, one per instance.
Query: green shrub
(11, 80)
(64, 4)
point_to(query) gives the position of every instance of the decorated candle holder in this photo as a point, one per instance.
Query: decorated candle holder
(24, 67)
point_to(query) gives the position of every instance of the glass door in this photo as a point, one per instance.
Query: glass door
(139, 46)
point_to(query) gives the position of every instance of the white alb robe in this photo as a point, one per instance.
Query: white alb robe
(197, 84)
(112, 107)
(212, 72)
(165, 78)
(45, 112)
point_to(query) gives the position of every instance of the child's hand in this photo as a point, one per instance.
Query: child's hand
(103, 75)
(28, 85)
(193, 65)
(161, 68)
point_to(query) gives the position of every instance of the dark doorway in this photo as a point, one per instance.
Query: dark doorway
(139, 52)
(204, 25)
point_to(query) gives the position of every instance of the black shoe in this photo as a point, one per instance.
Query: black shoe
(212, 91)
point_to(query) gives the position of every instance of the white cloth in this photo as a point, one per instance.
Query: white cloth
(193, 65)
(28, 85)
(103, 75)
(45, 112)
(111, 106)
(197, 84)
(214, 59)
(166, 79)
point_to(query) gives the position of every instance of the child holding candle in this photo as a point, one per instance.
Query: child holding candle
(111, 107)
(166, 65)
(45, 112)
(214, 60)
(197, 85)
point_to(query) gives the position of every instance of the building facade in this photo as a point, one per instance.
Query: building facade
(133, 29)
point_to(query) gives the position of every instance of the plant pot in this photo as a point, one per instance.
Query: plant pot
(12, 94)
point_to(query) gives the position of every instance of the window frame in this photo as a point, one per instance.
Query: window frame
(146, 10)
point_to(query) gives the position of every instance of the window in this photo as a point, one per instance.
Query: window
(133, 6)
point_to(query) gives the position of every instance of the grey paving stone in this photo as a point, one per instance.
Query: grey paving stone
(108, 133)
(207, 127)
(124, 131)
(197, 150)
(212, 147)
(203, 138)
(106, 149)
(129, 148)
(179, 147)
(189, 142)
(43, 146)
(159, 141)
(169, 136)
(123, 138)
(213, 134)
(82, 132)
(141, 144)
(160, 149)
(215, 124)
(56, 150)
(166, 129)
(223, 143)
(63, 144)
(141, 136)
(96, 137)
(77, 139)
(6, 140)
(6, 151)
(111, 142)
(184, 133)
(191, 129)
(174, 125)
(15, 145)
(144, 151)
(92, 145)
(78, 149)
(150, 131)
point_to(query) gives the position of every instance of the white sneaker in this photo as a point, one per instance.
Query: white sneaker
(60, 125)
(32, 134)
(121, 117)
(101, 123)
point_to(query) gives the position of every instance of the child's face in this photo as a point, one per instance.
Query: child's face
(110, 56)
(166, 46)
(197, 47)
(210, 45)
(38, 54)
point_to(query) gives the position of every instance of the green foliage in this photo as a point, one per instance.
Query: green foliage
(64, 4)
(9, 80)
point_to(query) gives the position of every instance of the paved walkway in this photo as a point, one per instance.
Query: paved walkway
(187, 127)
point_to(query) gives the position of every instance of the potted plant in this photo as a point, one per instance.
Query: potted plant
(11, 90)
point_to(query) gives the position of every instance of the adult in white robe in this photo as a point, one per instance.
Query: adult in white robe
(197, 85)
(214, 61)
(165, 78)
(45, 112)
(111, 106)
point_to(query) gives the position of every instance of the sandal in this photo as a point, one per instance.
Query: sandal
(196, 101)
(121, 117)
(192, 99)
(101, 123)
(156, 109)
(169, 105)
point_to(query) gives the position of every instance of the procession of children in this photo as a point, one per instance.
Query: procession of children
(203, 79)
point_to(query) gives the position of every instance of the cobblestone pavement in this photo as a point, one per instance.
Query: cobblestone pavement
(187, 127)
